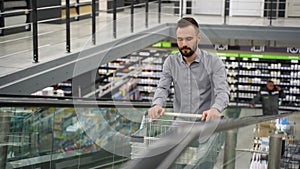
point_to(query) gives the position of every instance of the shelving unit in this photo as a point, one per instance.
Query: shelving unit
(148, 62)
(65, 86)
(247, 73)
(15, 16)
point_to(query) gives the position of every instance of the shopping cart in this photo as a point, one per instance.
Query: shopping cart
(195, 154)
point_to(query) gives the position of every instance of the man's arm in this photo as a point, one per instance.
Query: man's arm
(221, 88)
(281, 92)
(163, 87)
(162, 91)
(220, 91)
(256, 99)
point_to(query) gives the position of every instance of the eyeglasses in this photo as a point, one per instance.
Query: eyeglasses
(186, 39)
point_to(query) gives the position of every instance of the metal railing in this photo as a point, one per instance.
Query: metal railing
(271, 10)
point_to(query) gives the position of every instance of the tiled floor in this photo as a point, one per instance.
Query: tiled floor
(16, 49)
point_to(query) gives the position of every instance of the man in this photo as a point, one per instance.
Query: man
(199, 78)
(200, 87)
(268, 96)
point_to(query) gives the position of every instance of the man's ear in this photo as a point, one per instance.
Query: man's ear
(199, 37)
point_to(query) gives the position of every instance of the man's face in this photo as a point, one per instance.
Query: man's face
(187, 40)
(270, 86)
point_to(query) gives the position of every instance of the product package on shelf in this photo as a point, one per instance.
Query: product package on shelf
(128, 91)
(291, 156)
(264, 129)
(259, 158)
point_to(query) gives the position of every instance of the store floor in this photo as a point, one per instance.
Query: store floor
(17, 52)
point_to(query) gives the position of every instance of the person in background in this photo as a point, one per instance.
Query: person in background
(200, 86)
(268, 96)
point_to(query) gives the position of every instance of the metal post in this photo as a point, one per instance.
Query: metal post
(159, 11)
(68, 41)
(225, 12)
(181, 9)
(79, 91)
(94, 22)
(4, 132)
(77, 7)
(35, 32)
(115, 18)
(132, 16)
(271, 11)
(275, 151)
(146, 13)
(2, 17)
(229, 149)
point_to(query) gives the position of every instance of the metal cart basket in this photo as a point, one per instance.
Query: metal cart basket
(195, 154)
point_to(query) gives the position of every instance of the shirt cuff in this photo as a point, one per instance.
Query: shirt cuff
(218, 107)
(158, 101)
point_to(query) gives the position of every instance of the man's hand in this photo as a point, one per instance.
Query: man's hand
(251, 105)
(156, 111)
(211, 114)
(278, 88)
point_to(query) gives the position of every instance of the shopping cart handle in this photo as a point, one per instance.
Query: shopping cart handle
(179, 114)
(183, 115)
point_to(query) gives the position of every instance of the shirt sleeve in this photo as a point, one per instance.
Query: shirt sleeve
(281, 94)
(221, 88)
(162, 91)
(257, 98)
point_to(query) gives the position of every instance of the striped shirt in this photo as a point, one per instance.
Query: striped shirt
(197, 87)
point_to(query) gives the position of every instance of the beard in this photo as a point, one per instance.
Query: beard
(186, 51)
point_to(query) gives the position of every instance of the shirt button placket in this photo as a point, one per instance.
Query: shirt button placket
(189, 89)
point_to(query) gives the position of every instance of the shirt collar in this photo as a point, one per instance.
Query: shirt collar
(197, 59)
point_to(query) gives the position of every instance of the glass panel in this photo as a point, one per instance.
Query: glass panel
(58, 136)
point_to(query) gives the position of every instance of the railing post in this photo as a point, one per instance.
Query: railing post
(35, 32)
(68, 36)
(146, 13)
(94, 22)
(275, 146)
(159, 11)
(181, 8)
(132, 16)
(2, 20)
(115, 18)
(225, 2)
(271, 11)
(230, 149)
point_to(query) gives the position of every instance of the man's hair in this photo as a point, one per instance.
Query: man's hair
(187, 21)
(270, 81)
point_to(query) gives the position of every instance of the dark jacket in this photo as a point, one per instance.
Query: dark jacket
(269, 100)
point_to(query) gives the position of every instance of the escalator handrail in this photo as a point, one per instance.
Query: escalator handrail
(52, 101)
